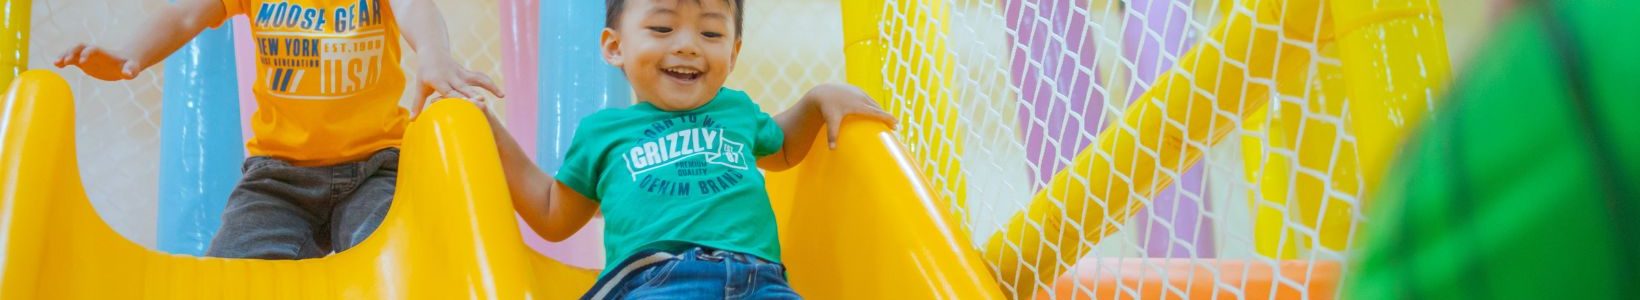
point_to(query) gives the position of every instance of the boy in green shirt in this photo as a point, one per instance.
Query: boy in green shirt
(685, 208)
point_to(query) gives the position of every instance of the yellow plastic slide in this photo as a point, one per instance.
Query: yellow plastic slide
(861, 222)
(450, 234)
(856, 223)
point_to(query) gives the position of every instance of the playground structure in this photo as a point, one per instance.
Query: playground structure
(905, 228)
(450, 233)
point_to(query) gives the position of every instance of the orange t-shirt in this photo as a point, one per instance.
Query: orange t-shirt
(328, 81)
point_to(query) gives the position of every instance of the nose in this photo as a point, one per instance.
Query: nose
(686, 45)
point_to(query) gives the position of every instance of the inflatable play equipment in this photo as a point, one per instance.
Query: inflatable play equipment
(888, 215)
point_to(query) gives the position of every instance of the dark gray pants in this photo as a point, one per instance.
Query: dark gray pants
(280, 211)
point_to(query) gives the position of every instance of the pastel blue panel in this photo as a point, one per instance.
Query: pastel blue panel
(201, 147)
(575, 81)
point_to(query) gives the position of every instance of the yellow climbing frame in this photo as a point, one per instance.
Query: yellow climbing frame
(1393, 60)
(14, 33)
(1395, 65)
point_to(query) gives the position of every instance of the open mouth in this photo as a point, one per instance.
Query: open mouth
(685, 74)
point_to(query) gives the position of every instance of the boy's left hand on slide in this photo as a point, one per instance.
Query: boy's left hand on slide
(835, 101)
(450, 80)
(100, 63)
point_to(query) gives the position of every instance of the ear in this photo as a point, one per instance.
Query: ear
(735, 54)
(610, 43)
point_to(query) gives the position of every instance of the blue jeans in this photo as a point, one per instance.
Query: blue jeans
(699, 273)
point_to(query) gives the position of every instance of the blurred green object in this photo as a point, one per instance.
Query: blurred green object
(1524, 187)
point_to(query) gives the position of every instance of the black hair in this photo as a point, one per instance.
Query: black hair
(612, 13)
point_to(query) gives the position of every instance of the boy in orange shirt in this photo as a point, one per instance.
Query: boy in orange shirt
(324, 156)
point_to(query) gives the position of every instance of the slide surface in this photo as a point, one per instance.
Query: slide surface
(858, 222)
(450, 234)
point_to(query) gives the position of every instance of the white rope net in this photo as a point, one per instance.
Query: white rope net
(1034, 82)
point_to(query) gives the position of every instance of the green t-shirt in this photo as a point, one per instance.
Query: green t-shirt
(667, 179)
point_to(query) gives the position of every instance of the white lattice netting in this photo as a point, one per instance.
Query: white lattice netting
(1032, 83)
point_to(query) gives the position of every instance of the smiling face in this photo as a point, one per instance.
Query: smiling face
(676, 53)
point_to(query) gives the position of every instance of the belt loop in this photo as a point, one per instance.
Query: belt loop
(708, 254)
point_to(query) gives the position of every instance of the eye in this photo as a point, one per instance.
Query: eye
(660, 29)
(711, 34)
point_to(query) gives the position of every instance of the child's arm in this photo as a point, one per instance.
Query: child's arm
(554, 210)
(168, 29)
(423, 28)
(826, 104)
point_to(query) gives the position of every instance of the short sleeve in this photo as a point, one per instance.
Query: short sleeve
(231, 8)
(583, 160)
(769, 136)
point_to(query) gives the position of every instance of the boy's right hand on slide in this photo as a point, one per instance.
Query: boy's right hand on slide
(100, 63)
(446, 79)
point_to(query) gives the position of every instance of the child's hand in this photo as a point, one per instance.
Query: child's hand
(100, 63)
(835, 101)
(446, 79)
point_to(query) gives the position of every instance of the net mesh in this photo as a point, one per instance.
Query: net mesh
(1032, 83)
(788, 47)
(116, 123)
(1025, 85)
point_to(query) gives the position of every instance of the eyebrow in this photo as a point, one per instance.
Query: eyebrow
(668, 11)
(662, 11)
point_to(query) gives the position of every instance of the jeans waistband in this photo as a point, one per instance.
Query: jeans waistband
(712, 254)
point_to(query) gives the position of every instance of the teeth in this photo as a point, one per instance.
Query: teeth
(682, 71)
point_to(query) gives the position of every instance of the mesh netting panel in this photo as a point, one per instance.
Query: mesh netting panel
(116, 123)
(789, 46)
(1034, 83)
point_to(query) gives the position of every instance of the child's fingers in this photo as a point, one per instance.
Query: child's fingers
(86, 53)
(131, 69)
(479, 98)
(484, 81)
(880, 115)
(874, 103)
(72, 55)
(833, 125)
(445, 90)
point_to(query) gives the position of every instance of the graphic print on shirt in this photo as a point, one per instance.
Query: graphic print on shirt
(335, 52)
(687, 155)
